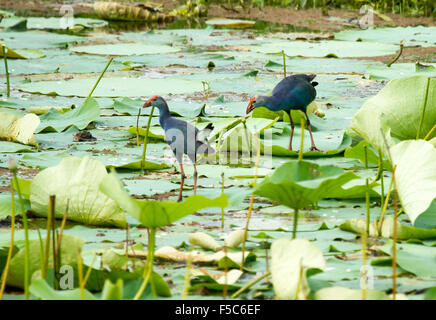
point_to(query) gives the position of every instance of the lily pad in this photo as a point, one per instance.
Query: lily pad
(341, 49)
(411, 36)
(125, 49)
(77, 180)
(21, 53)
(400, 70)
(80, 117)
(415, 258)
(52, 22)
(38, 39)
(114, 87)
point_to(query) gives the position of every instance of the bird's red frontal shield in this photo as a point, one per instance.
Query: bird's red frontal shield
(250, 105)
(148, 103)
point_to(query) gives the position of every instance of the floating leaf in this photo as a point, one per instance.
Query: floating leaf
(410, 35)
(341, 49)
(415, 258)
(80, 117)
(114, 87)
(125, 49)
(399, 70)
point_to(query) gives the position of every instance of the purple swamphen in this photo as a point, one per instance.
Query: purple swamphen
(182, 137)
(295, 92)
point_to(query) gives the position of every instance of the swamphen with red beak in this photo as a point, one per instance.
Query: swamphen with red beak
(295, 92)
(182, 137)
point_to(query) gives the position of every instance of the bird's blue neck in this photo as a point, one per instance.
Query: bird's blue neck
(164, 114)
(270, 102)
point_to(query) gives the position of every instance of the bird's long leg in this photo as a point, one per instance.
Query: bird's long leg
(313, 148)
(195, 179)
(292, 130)
(182, 174)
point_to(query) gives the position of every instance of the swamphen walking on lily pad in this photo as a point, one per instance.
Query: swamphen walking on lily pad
(182, 137)
(295, 92)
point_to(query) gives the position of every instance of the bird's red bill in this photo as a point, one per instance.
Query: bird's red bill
(148, 103)
(250, 105)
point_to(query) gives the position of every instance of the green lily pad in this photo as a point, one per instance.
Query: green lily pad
(156, 214)
(114, 87)
(77, 179)
(298, 184)
(179, 108)
(415, 258)
(80, 117)
(400, 70)
(37, 39)
(341, 49)
(52, 22)
(290, 260)
(332, 143)
(415, 177)
(12, 147)
(21, 53)
(411, 36)
(125, 49)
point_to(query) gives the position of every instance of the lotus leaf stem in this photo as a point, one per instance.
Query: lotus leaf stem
(284, 63)
(300, 152)
(421, 117)
(26, 238)
(144, 148)
(250, 208)
(148, 269)
(99, 78)
(8, 84)
(250, 284)
(11, 246)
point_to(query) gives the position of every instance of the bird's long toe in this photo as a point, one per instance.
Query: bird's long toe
(315, 149)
